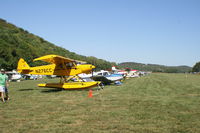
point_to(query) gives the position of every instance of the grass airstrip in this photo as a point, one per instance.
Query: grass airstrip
(157, 103)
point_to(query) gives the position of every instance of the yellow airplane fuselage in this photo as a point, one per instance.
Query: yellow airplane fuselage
(54, 70)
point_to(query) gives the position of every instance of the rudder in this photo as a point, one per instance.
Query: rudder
(22, 66)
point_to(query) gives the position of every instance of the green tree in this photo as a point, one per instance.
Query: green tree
(196, 67)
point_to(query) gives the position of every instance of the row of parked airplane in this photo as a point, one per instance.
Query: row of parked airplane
(107, 77)
(104, 76)
(73, 74)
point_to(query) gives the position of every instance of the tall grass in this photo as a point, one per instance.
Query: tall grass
(158, 103)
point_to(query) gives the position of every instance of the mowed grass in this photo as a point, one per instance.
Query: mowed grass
(157, 103)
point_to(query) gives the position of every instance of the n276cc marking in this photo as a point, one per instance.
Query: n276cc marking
(47, 70)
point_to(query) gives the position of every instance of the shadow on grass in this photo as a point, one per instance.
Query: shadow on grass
(44, 90)
(52, 90)
(26, 89)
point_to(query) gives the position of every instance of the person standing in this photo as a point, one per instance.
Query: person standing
(3, 84)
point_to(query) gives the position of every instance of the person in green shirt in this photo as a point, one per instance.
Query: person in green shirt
(3, 84)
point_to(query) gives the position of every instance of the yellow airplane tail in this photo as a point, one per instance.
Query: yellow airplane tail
(23, 67)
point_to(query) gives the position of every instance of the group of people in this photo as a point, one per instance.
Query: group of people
(3, 85)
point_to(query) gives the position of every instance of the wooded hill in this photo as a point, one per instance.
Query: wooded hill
(155, 67)
(16, 43)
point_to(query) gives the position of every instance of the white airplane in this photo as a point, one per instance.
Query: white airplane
(14, 76)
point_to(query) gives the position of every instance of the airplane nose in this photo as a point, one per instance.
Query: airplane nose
(92, 66)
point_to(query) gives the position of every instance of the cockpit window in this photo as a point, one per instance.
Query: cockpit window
(105, 73)
(100, 74)
(69, 64)
(60, 65)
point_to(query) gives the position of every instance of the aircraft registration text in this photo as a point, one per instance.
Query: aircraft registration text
(47, 70)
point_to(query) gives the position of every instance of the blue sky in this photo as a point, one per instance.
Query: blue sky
(163, 32)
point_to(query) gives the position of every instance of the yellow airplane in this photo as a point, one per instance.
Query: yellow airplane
(66, 68)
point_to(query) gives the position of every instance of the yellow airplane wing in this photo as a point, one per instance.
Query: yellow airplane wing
(54, 59)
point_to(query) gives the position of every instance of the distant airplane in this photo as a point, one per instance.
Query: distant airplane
(68, 70)
(14, 76)
(106, 78)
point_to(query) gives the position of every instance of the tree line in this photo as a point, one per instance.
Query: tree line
(155, 67)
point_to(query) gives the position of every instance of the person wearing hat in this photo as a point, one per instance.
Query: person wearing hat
(3, 84)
